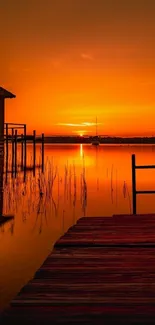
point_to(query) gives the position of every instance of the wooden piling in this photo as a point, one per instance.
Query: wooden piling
(25, 151)
(1, 185)
(12, 150)
(34, 151)
(24, 177)
(134, 184)
(7, 142)
(22, 151)
(42, 151)
(15, 152)
(7, 151)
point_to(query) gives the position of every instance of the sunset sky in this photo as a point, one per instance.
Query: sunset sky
(69, 61)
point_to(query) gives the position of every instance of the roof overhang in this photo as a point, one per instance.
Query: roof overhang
(5, 93)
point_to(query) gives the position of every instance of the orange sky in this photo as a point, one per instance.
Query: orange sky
(69, 61)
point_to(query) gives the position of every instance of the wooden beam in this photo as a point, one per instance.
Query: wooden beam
(133, 185)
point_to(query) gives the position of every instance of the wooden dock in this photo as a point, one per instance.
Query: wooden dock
(102, 271)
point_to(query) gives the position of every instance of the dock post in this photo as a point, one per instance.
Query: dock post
(42, 151)
(25, 160)
(22, 151)
(2, 120)
(15, 152)
(12, 150)
(7, 141)
(34, 151)
(7, 148)
(24, 176)
(134, 184)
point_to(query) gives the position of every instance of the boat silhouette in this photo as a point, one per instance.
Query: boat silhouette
(96, 139)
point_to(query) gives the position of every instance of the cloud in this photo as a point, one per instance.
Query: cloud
(70, 124)
(86, 56)
(85, 124)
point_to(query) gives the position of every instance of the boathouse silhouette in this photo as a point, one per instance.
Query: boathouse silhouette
(4, 94)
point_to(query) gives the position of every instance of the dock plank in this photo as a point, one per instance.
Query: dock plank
(102, 271)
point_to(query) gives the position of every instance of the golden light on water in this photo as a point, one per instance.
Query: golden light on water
(81, 150)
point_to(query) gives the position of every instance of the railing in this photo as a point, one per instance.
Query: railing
(134, 191)
(16, 139)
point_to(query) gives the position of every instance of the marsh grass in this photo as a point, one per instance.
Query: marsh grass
(50, 194)
(126, 195)
(44, 191)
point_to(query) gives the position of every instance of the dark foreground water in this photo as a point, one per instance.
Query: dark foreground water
(78, 180)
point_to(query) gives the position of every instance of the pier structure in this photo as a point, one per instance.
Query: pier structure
(15, 133)
(102, 271)
(4, 94)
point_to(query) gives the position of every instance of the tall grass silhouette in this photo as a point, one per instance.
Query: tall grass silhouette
(43, 191)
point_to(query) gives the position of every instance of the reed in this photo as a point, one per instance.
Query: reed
(127, 194)
(39, 190)
(111, 184)
(83, 188)
(74, 185)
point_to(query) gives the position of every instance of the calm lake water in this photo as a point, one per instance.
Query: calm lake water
(79, 180)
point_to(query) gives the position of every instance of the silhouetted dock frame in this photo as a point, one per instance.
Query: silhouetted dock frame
(134, 191)
(16, 138)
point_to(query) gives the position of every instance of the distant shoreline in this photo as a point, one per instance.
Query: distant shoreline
(88, 140)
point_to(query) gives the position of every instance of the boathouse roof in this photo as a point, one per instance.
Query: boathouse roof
(6, 94)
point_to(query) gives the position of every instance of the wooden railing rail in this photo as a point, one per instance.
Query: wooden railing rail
(134, 191)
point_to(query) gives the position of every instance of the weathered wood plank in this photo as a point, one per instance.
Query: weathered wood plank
(83, 298)
(111, 243)
(100, 251)
(102, 271)
(97, 315)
